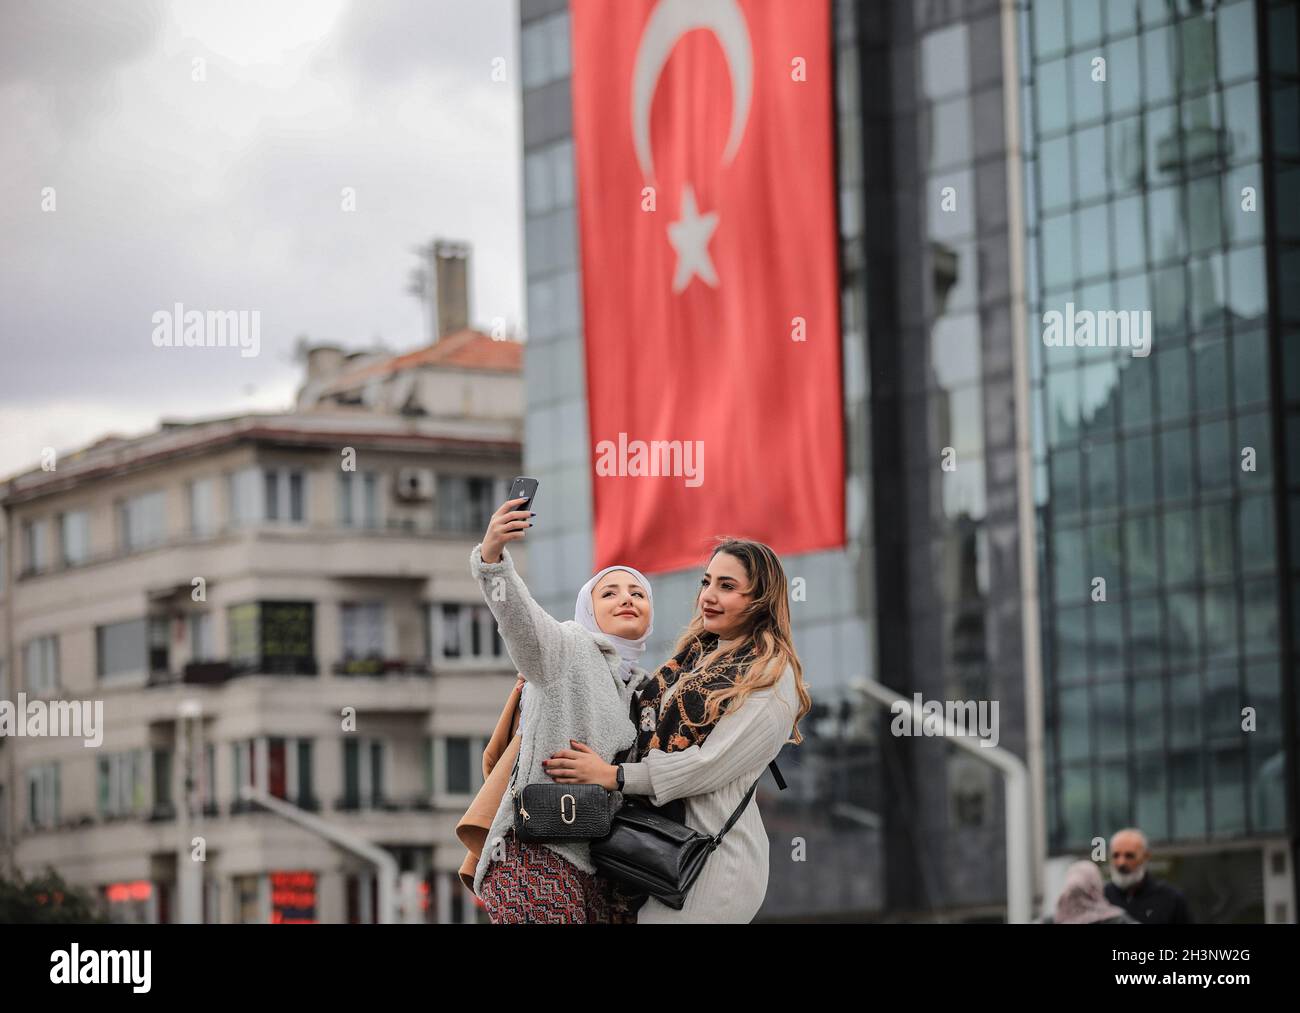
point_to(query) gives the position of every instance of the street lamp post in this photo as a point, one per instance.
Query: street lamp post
(1020, 872)
(385, 864)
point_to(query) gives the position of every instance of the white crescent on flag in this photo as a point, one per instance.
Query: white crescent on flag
(668, 22)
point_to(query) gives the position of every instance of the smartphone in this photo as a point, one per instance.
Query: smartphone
(522, 486)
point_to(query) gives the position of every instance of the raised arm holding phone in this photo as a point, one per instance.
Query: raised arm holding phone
(580, 676)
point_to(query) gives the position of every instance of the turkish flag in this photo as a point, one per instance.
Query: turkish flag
(707, 214)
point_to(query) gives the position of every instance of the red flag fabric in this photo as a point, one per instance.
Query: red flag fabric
(707, 217)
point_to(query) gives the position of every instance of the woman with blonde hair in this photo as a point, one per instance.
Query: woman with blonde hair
(710, 721)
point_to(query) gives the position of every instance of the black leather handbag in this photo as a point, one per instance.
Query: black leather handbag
(550, 813)
(649, 852)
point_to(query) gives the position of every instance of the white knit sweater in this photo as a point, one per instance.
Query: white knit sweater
(575, 692)
(713, 778)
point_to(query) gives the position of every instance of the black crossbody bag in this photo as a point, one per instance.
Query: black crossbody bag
(551, 813)
(651, 853)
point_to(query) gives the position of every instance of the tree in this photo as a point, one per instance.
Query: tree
(46, 899)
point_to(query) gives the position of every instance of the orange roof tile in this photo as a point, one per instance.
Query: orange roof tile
(467, 349)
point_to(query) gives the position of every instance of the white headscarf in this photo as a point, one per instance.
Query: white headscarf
(584, 614)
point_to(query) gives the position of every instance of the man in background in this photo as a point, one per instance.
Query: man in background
(1134, 889)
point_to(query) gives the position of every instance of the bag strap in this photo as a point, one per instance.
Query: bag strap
(776, 774)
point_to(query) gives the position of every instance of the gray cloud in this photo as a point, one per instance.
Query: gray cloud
(226, 195)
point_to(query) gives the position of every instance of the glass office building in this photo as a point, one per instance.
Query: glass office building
(1127, 192)
(1160, 143)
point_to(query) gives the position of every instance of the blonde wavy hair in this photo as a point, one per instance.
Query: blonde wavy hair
(766, 626)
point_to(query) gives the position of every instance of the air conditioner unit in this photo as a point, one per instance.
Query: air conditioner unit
(414, 485)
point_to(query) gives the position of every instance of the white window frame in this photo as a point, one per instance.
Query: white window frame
(203, 519)
(442, 791)
(130, 777)
(36, 545)
(145, 502)
(43, 796)
(41, 665)
(283, 484)
(80, 519)
(365, 797)
(352, 495)
(202, 645)
(372, 614)
(469, 614)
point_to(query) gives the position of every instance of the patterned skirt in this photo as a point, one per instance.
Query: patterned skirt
(532, 884)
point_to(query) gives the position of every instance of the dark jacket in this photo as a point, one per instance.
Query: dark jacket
(1152, 902)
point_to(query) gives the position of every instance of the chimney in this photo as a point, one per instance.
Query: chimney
(324, 362)
(450, 286)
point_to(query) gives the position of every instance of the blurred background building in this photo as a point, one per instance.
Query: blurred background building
(282, 574)
(985, 177)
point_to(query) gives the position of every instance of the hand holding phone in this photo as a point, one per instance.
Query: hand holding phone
(511, 520)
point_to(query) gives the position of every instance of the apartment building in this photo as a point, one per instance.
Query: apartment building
(275, 600)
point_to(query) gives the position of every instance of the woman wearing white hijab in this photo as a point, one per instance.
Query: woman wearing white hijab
(580, 677)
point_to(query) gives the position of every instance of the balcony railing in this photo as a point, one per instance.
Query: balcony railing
(383, 803)
(397, 527)
(214, 673)
(381, 666)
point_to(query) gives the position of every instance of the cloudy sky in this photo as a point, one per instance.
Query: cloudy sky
(226, 193)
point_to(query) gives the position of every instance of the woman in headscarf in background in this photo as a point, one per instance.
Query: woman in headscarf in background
(1083, 900)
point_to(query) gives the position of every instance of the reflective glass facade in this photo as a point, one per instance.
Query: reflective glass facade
(1147, 153)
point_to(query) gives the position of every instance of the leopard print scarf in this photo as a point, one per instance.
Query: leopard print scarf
(671, 732)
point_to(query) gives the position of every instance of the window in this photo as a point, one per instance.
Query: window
(273, 638)
(122, 783)
(248, 899)
(245, 497)
(363, 630)
(276, 773)
(245, 765)
(41, 665)
(74, 537)
(544, 45)
(306, 796)
(278, 765)
(162, 782)
(36, 546)
(207, 778)
(548, 178)
(203, 507)
(458, 766)
(284, 495)
(363, 773)
(466, 502)
(142, 521)
(464, 632)
(267, 494)
(358, 499)
(120, 648)
(202, 647)
(43, 796)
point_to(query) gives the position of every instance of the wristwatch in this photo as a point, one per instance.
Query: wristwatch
(619, 768)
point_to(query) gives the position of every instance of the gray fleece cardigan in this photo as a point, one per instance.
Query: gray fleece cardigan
(576, 693)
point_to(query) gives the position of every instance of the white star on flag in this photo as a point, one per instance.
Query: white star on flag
(690, 238)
